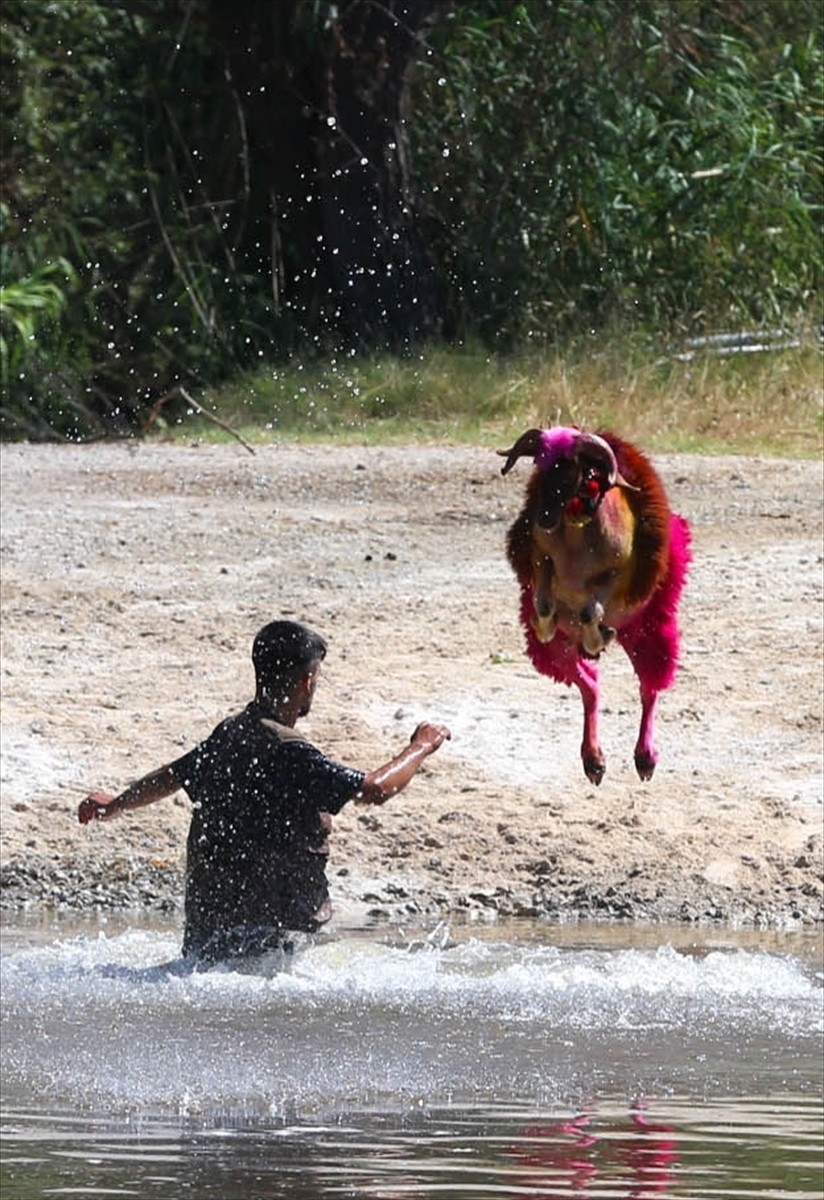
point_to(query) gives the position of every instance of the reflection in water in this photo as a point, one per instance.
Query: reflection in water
(569, 1155)
(732, 1147)
(651, 1156)
(377, 1065)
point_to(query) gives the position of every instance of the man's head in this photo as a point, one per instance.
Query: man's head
(286, 656)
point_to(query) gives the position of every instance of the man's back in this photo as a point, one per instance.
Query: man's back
(256, 852)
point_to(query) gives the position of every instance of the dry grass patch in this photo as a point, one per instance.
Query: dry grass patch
(746, 403)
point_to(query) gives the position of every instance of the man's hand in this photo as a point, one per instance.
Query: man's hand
(430, 737)
(98, 806)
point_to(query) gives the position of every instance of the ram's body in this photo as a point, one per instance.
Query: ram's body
(599, 555)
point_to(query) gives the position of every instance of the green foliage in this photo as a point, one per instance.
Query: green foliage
(24, 307)
(371, 396)
(69, 191)
(649, 162)
(29, 308)
(106, 123)
(581, 165)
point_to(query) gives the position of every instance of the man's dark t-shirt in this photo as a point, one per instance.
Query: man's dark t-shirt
(257, 846)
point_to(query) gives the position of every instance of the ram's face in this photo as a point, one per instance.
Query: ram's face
(557, 483)
(569, 463)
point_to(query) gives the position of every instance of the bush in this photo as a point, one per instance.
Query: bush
(584, 164)
(581, 166)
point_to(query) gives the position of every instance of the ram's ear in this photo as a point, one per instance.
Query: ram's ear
(527, 446)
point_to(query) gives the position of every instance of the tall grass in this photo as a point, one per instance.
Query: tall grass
(745, 403)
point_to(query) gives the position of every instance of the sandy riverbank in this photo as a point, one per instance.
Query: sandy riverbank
(134, 578)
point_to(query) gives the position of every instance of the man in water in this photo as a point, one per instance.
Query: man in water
(262, 805)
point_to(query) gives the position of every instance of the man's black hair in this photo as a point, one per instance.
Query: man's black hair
(284, 650)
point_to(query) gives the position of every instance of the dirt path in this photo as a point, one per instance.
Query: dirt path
(134, 578)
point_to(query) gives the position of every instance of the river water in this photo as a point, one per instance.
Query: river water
(460, 1062)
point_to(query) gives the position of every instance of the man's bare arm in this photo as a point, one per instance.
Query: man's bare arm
(386, 781)
(99, 806)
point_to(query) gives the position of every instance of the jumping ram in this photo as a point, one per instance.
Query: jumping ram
(599, 555)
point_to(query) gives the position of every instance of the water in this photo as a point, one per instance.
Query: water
(520, 1061)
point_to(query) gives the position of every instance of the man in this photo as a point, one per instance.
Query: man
(262, 805)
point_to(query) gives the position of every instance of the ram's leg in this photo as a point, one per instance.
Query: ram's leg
(560, 659)
(544, 617)
(652, 654)
(646, 756)
(591, 755)
(651, 641)
(545, 626)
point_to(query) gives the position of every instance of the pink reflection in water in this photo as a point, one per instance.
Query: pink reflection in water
(569, 1156)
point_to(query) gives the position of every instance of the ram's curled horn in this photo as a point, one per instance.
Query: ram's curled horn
(595, 447)
(527, 446)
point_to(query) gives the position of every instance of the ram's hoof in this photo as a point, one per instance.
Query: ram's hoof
(594, 768)
(645, 762)
(595, 639)
(545, 627)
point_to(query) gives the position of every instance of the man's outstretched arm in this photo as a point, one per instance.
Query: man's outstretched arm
(99, 806)
(386, 781)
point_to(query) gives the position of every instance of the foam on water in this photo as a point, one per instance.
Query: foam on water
(141, 966)
(106, 1021)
